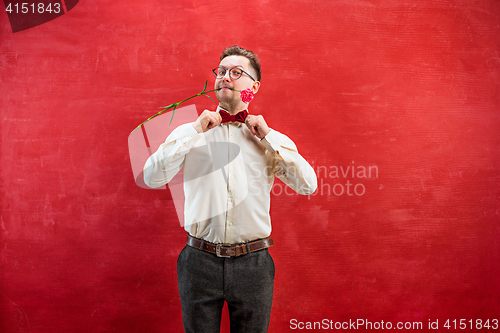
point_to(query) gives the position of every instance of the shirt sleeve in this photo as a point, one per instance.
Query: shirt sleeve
(289, 165)
(166, 162)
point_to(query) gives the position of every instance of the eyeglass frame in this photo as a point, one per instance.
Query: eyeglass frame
(229, 70)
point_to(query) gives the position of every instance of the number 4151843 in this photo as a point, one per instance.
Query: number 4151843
(471, 324)
(40, 8)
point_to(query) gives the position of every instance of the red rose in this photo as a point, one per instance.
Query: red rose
(246, 95)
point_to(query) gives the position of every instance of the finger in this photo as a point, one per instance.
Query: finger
(249, 125)
(252, 129)
(250, 121)
(216, 118)
(209, 121)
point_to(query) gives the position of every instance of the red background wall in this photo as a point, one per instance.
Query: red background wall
(408, 87)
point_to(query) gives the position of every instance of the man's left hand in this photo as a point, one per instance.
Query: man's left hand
(257, 125)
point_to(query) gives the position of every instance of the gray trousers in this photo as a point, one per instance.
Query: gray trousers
(206, 281)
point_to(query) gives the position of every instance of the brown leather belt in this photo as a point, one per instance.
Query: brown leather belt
(229, 250)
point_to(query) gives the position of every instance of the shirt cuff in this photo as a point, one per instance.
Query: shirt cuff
(188, 135)
(270, 141)
(190, 130)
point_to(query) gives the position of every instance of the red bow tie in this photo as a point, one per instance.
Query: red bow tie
(240, 116)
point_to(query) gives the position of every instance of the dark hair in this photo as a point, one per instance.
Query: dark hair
(252, 57)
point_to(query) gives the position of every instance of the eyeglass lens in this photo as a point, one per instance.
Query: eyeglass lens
(234, 73)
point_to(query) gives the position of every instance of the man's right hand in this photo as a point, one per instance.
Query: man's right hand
(206, 121)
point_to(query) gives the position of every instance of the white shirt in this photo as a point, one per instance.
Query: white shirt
(228, 176)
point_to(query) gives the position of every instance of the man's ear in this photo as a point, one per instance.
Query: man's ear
(255, 86)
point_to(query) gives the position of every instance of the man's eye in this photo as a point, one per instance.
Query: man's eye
(236, 72)
(221, 72)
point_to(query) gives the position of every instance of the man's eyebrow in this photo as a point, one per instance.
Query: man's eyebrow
(233, 66)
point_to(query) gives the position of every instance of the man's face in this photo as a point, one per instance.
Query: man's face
(229, 99)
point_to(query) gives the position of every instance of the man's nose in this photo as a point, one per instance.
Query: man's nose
(226, 75)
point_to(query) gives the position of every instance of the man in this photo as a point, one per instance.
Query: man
(230, 160)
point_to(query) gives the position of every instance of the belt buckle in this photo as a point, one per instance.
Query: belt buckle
(217, 250)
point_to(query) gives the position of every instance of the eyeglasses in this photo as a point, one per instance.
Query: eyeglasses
(235, 73)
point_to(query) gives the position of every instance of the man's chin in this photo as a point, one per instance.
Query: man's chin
(225, 96)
